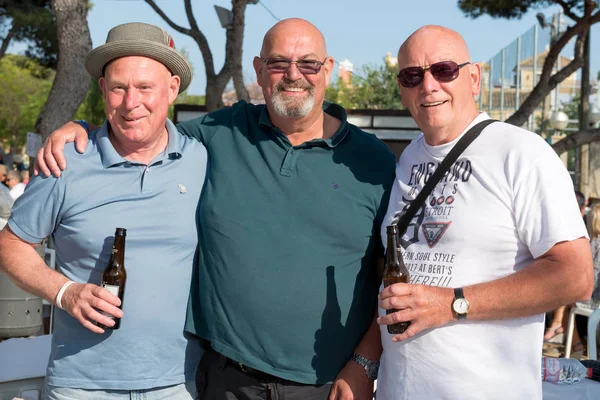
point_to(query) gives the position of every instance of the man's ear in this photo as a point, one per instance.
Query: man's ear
(475, 77)
(258, 69)
(101, 86)
(174, 85)
(328, 67)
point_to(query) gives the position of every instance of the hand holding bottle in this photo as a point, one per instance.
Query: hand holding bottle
(87, 303)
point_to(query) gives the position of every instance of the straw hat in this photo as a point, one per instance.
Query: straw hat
(139, 39)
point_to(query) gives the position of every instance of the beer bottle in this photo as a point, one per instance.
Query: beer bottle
(114, 275)
(394, 272)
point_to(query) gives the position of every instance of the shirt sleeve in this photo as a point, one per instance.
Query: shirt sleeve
(196, 128)
(38, 211)
(544, 207)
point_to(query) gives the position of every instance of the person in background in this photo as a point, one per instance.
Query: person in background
(3, 172)
(6, 202)
(595, 245)
(13, 181)
(560, 316)
(286, 283)
(138, 173)
(24, 176)
(578, 346)
(499, 241)
(19, 163)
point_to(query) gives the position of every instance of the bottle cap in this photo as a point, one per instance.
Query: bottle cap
(391, 229)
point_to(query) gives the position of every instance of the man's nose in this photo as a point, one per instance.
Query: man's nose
(132, 98)
(293, 73)
(429, 82)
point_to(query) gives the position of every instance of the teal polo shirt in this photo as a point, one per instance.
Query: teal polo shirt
(285, 280)
(81, 209)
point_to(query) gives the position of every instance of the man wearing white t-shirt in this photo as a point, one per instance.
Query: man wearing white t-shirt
(13, 181)
(497, 243)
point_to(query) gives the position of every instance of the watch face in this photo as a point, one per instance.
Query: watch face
(372, 371)
(461, 306)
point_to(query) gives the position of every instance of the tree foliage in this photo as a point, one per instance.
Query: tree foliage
(583, 14)
(216, 82)
(92, 108)
(31, 22)
(501, 8)
(373, 88)
(24, 85)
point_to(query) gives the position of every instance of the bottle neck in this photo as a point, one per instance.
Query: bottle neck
(118, 251)
(392, 247)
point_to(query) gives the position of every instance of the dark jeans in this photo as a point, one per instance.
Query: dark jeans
(220, 379)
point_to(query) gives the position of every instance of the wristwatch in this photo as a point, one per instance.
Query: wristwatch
(460, 305)
(371, 367)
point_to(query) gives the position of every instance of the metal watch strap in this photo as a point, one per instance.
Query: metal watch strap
(371, 367)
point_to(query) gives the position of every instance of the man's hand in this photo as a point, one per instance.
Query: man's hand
(84, 301)
(51, 158)
(351, 384)
(424, 306)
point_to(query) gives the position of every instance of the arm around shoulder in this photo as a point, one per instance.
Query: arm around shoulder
(51, 158)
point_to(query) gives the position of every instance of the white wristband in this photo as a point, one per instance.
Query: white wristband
(61, 292)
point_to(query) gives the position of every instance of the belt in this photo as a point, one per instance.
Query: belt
(253, 372)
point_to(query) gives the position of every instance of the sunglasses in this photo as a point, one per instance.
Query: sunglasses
(443, 71)
(281, 65)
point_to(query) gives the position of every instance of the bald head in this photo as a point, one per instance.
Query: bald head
(446, 43)
(442, 105)
(300, 31)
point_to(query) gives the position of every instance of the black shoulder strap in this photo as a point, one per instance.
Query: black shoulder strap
(446, 163)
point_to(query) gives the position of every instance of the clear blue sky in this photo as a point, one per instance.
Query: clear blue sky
(361, 31)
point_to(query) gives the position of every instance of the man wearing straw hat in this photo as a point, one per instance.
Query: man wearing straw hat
(137, 173)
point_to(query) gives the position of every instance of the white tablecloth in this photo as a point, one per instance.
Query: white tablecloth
(587, 389)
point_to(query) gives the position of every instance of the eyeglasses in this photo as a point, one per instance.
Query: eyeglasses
(280, 65)
(443, 71)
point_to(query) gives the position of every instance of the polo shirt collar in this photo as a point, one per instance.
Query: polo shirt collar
(330, 108)
(110, 157)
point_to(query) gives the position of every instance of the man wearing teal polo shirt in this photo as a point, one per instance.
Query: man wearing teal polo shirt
(285, 287)
(137, 173)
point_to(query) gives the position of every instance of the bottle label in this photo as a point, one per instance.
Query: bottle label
(551, 369)
(114, 290)
(111, 288)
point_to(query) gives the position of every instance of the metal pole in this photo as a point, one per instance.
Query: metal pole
(490, 88)
(502, 61)
(555, 35)
(518, 82)
(584, 105)
(534, 81)
(480, 103)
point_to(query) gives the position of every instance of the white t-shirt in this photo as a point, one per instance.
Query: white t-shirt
(17, 190)
(506, 201)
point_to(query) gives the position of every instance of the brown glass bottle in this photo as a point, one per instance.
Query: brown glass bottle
(394, 272)
(114, 275)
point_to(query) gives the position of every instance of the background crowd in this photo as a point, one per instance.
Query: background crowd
(13, 180)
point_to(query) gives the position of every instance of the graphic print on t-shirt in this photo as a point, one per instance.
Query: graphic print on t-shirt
(432, 220)
(433, 232)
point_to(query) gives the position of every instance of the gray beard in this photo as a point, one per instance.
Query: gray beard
(286, 107)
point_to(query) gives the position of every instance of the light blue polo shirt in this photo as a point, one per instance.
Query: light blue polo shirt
(156, 203)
